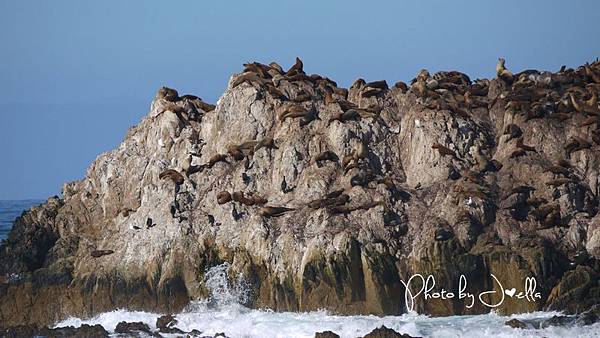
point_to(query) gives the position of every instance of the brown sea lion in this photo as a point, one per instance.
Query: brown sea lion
(524, 146)
(296, 68)
(223, 197)
(444, 151)
(167, 94)
(216, 158)
(173, 174)
(502, 72)
(271, 211)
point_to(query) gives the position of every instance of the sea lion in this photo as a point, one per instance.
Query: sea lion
(345, 209)
(329, 201)
(235, 152)
(525, 147)
(358, 84)
(173, 174)
(423, 75)
(276, 66)
(271, 211)
(257, 199)
(223, 197)
(345, 116)
(250, 77)
(292, 111)
(167, 94)
(198, 102)
(326, 156)
(558, 170)
(216, 158)
(589, 72)
(558, 182)
(310, 116)
(590, 120)
(444, 150)
(296, 68)
(474, 102)
(276, 93)
(302, 96)
(238, 196)
(576, 144)
(266, 142)
(100, 253)
(517, 153)
(401, 86)
(502, 72)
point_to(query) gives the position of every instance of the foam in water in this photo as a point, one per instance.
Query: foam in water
(222, 312)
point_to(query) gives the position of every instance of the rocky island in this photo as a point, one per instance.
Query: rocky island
(322, 197)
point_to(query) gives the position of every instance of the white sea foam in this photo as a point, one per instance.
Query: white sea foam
(223, 313)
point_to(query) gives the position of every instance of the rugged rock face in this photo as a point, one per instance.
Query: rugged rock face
(322, 197)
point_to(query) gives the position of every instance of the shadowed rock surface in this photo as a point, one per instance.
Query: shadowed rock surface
(333, 196)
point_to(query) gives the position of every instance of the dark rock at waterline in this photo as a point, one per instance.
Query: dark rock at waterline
(517, 324)
(165, 321)
(384, 332)
(194, 333)
(135, 327)
(326, 334)
(589, 317)
(559, 321)
(171, 330)
(85, 331)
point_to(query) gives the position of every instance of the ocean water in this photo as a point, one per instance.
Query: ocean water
(9, 210)
(223, 313)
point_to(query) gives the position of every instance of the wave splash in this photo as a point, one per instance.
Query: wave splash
(223, 312)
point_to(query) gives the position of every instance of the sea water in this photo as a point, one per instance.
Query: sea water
(222, 312)
(9, 210)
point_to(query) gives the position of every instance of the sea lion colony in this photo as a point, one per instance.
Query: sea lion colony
(569, 96)
(327, 197)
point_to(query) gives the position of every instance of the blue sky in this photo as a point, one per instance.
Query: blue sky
(77, 74)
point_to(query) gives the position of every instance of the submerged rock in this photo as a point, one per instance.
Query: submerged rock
(324, 197)
(136, 327)
(516, 324)
(384, 332)
(85, 331)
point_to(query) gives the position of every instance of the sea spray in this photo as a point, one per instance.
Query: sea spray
(224, 289)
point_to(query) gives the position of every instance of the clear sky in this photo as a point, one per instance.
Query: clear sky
(75, 75)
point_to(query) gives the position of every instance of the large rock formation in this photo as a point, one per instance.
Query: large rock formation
(322, 197)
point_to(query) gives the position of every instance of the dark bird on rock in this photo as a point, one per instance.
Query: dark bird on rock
(100, 253)
(443, 235)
